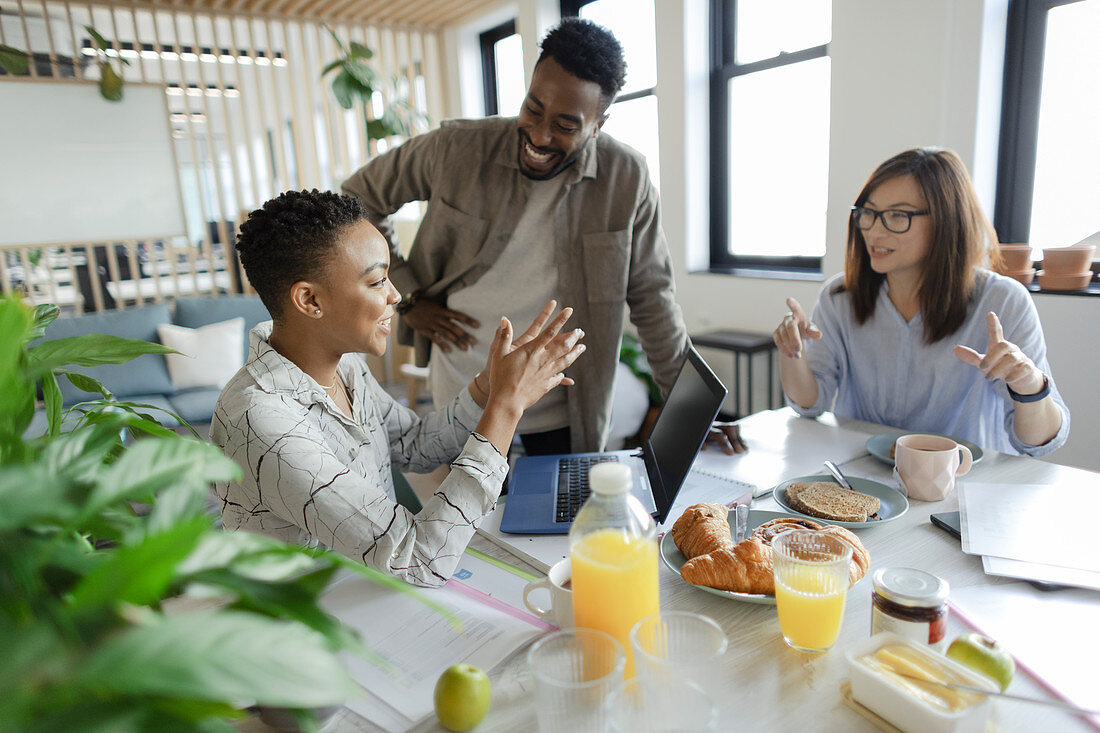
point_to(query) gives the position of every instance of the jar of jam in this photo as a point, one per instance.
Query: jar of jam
(911, 603)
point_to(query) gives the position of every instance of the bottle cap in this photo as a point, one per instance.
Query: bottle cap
(910, 587)
(610, 478)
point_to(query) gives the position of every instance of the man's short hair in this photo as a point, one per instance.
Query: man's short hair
(588, 51)
(290, 238)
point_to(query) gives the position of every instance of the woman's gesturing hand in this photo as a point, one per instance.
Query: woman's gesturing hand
(523, 369)
(1003, 360)
(794, 327)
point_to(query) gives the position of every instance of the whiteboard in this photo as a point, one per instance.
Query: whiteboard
(78, 168)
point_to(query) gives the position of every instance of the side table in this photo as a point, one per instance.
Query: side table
(745, 344)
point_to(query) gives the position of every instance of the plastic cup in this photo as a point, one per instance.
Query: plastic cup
(676, 645)
(811, 584)
(575, 670)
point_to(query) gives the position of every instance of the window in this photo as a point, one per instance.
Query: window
(633, 114)
(1047, 186)
(502, 69)
(769, 125)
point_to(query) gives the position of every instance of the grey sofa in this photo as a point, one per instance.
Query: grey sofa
(145, 379)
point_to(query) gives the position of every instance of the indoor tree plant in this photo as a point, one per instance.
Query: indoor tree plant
(85, 581)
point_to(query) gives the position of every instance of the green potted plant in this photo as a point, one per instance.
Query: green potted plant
(87, 586)
(356, 83)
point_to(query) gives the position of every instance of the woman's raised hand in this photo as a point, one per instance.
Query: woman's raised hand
(793, 329)
(523, 369)
(1003, 360)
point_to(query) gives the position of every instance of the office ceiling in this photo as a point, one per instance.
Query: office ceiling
(419, 13)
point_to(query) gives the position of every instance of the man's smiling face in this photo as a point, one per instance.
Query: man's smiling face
(559, 115)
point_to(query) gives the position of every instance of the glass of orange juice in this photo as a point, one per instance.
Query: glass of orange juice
(811, 582)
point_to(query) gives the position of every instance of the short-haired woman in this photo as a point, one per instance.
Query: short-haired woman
(313, 432)
(917, 333)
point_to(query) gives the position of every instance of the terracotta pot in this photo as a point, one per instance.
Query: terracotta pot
(1056, 281)
(1068, 260)
(1017, 257)
(1024, 276)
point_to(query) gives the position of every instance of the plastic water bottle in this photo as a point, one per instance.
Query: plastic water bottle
(613, 551)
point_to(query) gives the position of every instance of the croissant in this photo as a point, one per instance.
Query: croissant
(767, 531)
(861, 559)
(701, 529)
(743, 568)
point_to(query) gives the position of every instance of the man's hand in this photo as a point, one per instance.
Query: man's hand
(442, 326)
(726, 436)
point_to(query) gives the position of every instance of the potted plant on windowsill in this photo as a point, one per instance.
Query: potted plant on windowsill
(86, 584)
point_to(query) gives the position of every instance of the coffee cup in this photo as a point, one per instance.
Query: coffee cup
(559, 582)
(928, 465)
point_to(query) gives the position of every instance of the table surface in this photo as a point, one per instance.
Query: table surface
(772, 687)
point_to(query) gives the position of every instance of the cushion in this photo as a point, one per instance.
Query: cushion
(209, 355)
(196, 406)
(204, 310)
(147, 374)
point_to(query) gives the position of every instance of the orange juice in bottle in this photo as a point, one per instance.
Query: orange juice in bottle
(613, 549)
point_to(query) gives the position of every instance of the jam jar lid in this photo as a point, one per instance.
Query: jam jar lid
(910, 587)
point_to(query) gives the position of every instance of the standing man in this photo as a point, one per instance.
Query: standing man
(528, 209)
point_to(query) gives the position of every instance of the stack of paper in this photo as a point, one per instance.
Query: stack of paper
(413, 643)
(1033, 531)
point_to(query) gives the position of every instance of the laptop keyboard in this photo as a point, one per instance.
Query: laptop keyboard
(573, 484)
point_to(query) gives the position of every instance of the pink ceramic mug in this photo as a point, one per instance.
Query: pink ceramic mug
(928, 465)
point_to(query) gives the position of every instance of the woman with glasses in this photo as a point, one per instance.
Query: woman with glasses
(918, 332)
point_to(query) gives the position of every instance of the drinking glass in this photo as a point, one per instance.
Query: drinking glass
(676, 645)
(811, 582)
(574, 671)
(652, 706)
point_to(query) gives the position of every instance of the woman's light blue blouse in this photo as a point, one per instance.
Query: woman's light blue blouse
(884, 372)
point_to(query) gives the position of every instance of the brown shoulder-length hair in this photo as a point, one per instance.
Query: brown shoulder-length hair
(961, 239)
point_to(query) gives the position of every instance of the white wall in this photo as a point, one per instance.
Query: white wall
(933, 71)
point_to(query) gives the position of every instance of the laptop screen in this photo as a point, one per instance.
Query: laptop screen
(681, 428)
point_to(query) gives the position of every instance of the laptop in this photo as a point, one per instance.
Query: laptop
(545, 492)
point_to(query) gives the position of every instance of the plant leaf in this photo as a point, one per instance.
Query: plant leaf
(359, 51)
(332, 65)
(155, 464)
(14, 61)
(339, 43)
(87, 384)
(139, 574)
(99, 41)
(365, 76)
(44, 315)
(48, 502)
(345, 88)
(92, 349)
(51, 393)
(110, 83)
(220, 656)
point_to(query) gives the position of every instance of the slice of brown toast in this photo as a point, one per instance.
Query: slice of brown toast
(828, 500)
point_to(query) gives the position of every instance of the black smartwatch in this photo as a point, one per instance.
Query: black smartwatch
(1041, 394)
(407, 302)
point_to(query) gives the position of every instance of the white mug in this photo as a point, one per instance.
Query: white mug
(928, 465)
(559, 582)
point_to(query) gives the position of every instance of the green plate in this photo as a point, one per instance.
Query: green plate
(879, 445)
(891, 503)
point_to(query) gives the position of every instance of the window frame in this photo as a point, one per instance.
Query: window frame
(572, 9)
(487, 40)
(1025, 48)
(723, 68)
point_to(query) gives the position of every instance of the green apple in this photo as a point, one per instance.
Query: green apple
(984, 655)
(462, 697)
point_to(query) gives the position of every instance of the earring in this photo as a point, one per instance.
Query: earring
(317, 311)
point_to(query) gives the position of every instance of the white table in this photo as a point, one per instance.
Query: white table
(774, 688)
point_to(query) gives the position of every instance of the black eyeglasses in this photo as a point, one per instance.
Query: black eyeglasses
(897, 221)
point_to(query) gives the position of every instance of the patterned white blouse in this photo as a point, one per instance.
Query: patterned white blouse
(311, 475)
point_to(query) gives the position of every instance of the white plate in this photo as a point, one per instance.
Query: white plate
(675, 560)
(891, 503)
(879, 445)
